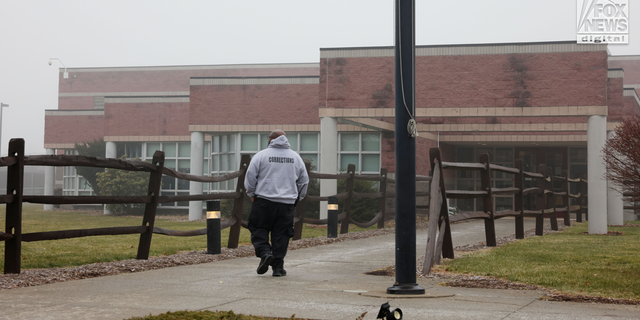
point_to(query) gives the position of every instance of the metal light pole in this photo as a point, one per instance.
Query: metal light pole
(2, 105)
(406, 133)
(65, 75)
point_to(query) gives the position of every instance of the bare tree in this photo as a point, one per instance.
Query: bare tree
(622, 158)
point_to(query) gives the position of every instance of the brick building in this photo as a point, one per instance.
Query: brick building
(534, 101)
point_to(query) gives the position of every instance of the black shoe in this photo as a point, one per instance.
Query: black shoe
(265, 261)
(279, 272)
(278, 268)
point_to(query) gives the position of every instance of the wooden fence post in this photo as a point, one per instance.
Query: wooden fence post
(383, 202)
(344, 227)
(487, 201)
(155, 180)
(442, 245)
(551, 200)
(15, 176)
(519, 200)
(579, 200)
(238, 204)
(447, 244)
(435, 203)
(300, 208)
(540, 200)
(585, 199)
(566, 200)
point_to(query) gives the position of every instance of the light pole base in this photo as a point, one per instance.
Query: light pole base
(405, 288)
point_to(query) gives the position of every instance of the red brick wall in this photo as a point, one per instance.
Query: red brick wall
(544, 79)
(631, 69)
(615, 112)
(75, 103)
(423, 162)
(73, 129)
(387, 152)
(357, 83)
(254, 104)
(630, 105)
(146, 119)
(152, 81)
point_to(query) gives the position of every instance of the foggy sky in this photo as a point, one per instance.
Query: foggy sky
(152, 33)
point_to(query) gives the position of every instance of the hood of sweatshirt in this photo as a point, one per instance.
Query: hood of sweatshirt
(280, 142)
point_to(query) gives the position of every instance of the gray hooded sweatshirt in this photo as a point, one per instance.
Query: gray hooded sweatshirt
(277, 173)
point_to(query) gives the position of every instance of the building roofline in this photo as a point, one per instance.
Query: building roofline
(459, 45)
(259, 77)
(196, 67)
(615, 73)
(624, 57)
(74, 112)
(226, 81)
(467, 49)
(631, 92)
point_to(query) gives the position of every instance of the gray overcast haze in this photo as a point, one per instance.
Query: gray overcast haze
(152, 33)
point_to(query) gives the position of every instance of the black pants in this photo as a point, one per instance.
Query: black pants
(268, 217)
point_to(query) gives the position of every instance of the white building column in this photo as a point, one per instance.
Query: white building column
(328, 159)
(111, 151)
(597, 193)
(197, 162)
(615, 205)
(49, 180)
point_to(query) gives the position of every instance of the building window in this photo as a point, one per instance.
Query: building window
(308, 147)
(177, 156)
(577, 166)
(470, 179)
(130, 150)
(72, 183)
(223, 161)
(226, 151)
(360, 149)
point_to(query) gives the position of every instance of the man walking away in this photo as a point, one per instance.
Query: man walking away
(276, 179)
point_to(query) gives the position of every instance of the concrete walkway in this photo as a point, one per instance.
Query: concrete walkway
(324, 282)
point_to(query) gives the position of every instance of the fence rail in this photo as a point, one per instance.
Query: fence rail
(439, 244)
(15, 162)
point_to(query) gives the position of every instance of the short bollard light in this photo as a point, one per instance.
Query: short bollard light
(213, 227)
(386, 314)
(332, 221)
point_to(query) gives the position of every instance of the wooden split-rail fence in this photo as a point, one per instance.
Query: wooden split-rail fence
(437, 209)
(439, 243)
(16, 160)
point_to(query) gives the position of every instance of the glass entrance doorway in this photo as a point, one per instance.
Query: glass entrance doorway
(554, 158)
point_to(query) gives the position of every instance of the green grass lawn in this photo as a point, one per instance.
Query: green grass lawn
(85, 250)
(569, 261)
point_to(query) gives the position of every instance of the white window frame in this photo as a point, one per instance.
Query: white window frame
(359, 152)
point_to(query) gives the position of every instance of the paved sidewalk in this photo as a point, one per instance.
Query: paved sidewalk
(324, 282)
